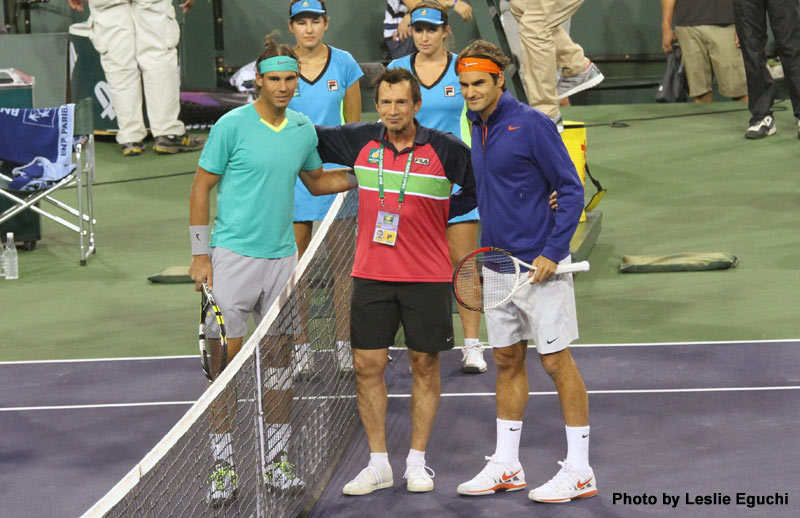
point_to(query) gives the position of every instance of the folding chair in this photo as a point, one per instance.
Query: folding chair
(81, 178)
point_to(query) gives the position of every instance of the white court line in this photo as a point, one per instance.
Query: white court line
(667, 344)
(92, 360)
(573, 346)
(624, 391)
(399, 396)
(100, 405)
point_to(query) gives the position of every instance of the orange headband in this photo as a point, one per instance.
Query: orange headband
(478, 65)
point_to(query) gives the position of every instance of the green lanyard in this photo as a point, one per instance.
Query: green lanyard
(405, 177)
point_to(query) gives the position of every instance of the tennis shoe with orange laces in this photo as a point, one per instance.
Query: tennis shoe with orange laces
(494, 477)
(567, 485)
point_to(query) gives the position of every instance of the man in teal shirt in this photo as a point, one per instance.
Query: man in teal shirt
(253, 156)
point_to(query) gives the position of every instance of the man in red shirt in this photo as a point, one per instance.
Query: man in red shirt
(402, 272)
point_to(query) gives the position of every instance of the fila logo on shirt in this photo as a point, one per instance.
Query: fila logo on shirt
(450, 91)
(422, 161)
(333, 85)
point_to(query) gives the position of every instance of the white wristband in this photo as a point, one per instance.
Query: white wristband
(198, 234)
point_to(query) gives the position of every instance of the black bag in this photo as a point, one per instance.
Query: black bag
(673, 87)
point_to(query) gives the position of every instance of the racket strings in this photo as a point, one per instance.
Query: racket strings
(486, 279)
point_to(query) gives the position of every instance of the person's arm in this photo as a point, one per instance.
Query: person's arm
(186, 5)
(199, 202)
(457, 160)
(352, 103)
(329, 181)
(341, 144)
(667, 34)
(77, 5)
(462, 8)
(556, 164)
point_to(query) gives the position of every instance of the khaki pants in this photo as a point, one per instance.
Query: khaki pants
(546, 47)
(137, 41)
(709, 50)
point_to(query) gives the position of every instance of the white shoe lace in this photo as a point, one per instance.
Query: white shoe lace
(418, 471)
(489, 472)
(564, 479)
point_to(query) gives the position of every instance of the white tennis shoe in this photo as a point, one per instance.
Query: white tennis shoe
(472, 359)
(344, 356)
(494, 477)
(368, 480)
(567, 485)
(419, 478)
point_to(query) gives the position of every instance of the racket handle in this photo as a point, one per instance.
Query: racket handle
(582, 266)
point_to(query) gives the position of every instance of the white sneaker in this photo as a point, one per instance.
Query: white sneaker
(419, 478)
(567, 485)
(761, 128)
(370, 479)
(303, 361)
(472, 360)
(281, 475)
(344, 356)
(496, 476)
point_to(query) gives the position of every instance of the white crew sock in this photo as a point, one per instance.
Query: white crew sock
(471, 341)
(508, 434)
(415, 457)
(578, 447)
(221, 447)
(379, 460)
(277, 441)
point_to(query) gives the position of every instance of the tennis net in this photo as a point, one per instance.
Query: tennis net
(263, 439)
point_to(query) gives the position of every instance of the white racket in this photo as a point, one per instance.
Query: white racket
(487, 277)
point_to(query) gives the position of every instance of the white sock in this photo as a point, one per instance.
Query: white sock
(221, 447)
(508, 434)
(277, 441)
(471, 341)
(578, 447)
(379, 460)
(415, 457)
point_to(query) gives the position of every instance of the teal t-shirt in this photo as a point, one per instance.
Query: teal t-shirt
(258, 164)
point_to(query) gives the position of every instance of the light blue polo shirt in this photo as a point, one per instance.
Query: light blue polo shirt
(258, 164)
(322, 100)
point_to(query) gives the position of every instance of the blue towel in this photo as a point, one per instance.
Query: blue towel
(39, 174)
(28, 134)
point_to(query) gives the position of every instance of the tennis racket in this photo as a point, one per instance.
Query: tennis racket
(487, 277)
(212, 327)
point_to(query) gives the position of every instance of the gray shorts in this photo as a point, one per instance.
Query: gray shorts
(245, 286)
(544, 312)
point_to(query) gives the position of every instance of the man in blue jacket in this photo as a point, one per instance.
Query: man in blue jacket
(519, 158)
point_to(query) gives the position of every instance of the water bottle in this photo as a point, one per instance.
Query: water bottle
(10, 260)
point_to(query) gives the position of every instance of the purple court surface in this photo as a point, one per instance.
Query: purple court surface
(710, 428)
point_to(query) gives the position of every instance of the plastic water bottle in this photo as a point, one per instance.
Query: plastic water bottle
(10, 260)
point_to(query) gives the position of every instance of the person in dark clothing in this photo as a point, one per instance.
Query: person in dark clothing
(751, 28)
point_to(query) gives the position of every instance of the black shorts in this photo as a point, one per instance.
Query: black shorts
(379, 307)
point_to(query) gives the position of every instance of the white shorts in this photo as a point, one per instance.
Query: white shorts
(245, 286)
(544, 312)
